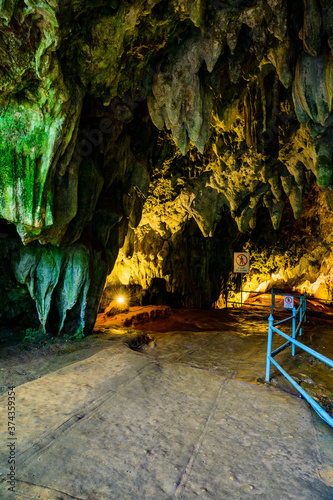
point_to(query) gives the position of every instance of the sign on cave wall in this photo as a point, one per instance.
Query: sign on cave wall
(241, 262)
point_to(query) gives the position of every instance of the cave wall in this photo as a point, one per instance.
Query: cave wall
(225, 105)
(299, 255)
(171, 261)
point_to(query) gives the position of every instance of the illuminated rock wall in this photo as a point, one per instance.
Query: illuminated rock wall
(225, 105)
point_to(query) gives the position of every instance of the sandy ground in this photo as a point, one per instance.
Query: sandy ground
(178, 418)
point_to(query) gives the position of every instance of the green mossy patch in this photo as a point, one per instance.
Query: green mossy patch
(23, 141)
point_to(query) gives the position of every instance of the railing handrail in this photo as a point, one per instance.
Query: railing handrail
(276, 293)
(256, 292)
(291, 340)
(314, 353)
(283, 320)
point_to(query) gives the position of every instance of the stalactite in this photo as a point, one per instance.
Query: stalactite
(248, 120)
(263, 101)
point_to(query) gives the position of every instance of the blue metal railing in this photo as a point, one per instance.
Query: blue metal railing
(296, 329)
(302, 299)
(273, 294)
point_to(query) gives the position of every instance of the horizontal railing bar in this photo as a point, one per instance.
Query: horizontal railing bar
(321, 412)
(316, 354)
(251, 291)
(269, 293)
(283, 320)
(259, 305)
(281, 348)
(311, 299)
(309, 311)
(249, 304)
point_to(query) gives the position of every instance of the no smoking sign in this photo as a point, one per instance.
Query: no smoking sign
(241, 262)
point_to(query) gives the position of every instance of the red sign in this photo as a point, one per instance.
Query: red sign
(288, 302)
(241, 262)
(242, 259)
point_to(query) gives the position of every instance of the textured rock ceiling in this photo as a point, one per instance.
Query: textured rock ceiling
(225, 105)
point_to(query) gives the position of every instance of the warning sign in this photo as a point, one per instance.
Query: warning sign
(289, 302)
(241, 262)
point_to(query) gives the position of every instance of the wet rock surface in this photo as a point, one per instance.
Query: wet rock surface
(217, 340)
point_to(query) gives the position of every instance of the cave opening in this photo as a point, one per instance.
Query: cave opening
(143, 144)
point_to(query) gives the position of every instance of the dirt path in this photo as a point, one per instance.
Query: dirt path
(176, 420)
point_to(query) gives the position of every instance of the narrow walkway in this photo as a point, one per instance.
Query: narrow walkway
(174, 421)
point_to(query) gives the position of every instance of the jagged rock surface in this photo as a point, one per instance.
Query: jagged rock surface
(245, 90)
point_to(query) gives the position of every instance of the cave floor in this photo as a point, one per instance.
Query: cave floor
(185, 415)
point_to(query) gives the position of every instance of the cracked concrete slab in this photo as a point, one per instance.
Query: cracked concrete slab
(127, 425)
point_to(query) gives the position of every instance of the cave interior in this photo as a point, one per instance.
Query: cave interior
(143, 142)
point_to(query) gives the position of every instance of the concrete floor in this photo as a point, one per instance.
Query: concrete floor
(177, 420)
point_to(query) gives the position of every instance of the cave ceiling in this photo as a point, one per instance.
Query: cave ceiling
(187, 110)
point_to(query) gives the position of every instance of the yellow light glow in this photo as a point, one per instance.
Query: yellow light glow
(120, 299)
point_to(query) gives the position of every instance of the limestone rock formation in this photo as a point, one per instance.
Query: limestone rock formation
(204, 113)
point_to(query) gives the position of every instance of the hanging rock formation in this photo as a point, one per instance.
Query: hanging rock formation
(203, 112)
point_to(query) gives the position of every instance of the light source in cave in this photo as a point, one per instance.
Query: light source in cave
(121, 300)
(121, 296)
(119, 304)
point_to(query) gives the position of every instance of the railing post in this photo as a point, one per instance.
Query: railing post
(304, 307)
(294, 331)
(241, 290)
(301, 316)
(269, 348)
